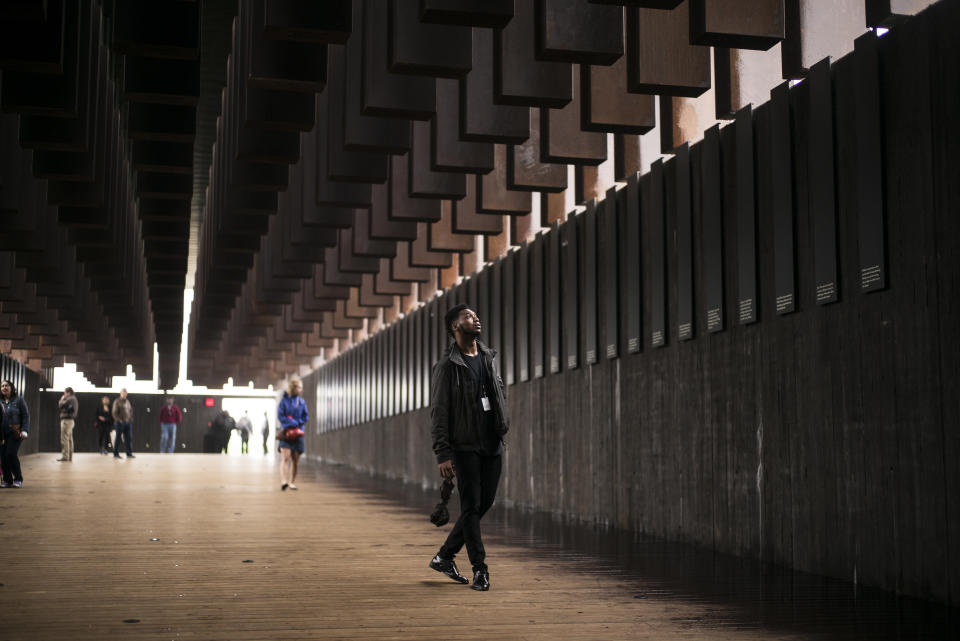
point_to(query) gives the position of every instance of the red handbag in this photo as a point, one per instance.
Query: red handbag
(291, 434)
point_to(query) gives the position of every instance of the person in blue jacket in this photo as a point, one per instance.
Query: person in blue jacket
(15, 419)
(292, 415)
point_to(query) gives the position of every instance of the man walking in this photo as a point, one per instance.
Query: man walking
(170, 419)
(229, 424)
(245, 427)
(265, 432)
(123, 421)
(68, 407)
(469, 418)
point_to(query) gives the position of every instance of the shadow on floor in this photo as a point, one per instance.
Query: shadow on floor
(733, 593)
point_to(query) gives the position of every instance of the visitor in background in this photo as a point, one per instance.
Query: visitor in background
(292, 415)
(15, 420)
(123, 419)
(217, 438)
(265, 432)
(170, 419)
(68, 406)
(229, 424)
(104, 425)
(245, 427)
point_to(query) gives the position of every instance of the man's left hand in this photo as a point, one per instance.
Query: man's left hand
(446, 469)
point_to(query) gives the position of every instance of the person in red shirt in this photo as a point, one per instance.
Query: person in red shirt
(170, 419)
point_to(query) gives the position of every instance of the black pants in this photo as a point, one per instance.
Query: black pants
(9, 459)
(103, 438)
(477, 480)
(124, 431)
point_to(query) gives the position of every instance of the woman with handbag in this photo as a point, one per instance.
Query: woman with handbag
(104, 425)
(292, 415)
(15, 425)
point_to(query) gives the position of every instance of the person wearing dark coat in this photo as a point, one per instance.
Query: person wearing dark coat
(104, 425)
(468, 412)
(219, 433)
(14, 428)
(228, 426)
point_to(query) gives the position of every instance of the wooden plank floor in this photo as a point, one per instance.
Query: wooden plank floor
(207, 547)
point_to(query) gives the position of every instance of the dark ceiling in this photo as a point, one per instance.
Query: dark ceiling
(310, 169)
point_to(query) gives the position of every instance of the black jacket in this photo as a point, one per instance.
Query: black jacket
(453, 398)
(104, 417)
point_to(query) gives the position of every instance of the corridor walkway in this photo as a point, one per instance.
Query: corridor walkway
(207, 547)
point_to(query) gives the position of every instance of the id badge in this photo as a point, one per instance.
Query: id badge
(486, 404)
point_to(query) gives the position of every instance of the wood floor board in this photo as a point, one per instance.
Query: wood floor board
(235, 558)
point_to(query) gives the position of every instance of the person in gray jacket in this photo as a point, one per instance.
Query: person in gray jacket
(68, 406)
(469, 419)
(245, 428)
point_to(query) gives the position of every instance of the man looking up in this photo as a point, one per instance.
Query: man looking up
(469, 418)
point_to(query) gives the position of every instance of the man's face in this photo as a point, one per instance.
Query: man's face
(5, 389)
(123, 393)
(169, 401)
(469, 323)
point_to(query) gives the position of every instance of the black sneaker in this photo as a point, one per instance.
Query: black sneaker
(131, 456)
(448, 567)
(481, 581)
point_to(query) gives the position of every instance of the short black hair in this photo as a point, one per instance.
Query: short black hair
(68, 390)
(452, 315)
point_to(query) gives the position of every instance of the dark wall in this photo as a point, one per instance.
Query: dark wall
(822, 437)
(32, 394)
(146, 424)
